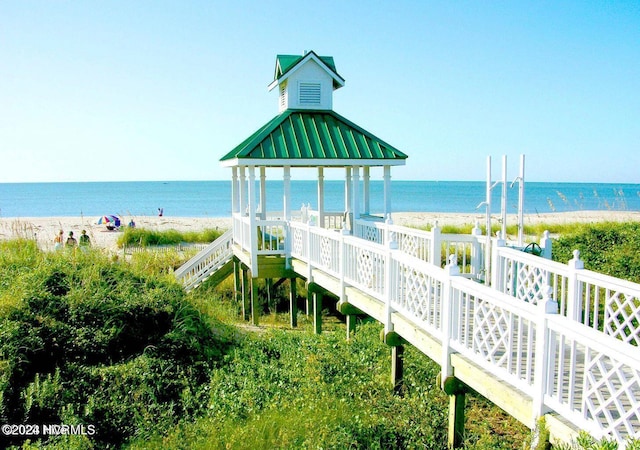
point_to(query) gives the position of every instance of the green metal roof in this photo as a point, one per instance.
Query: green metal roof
(300, 136)
(284, 63)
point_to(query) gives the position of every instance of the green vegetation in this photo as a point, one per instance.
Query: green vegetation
(88, 339)
(610, 248)
(512, 230)
(145, 238)
(85, 340)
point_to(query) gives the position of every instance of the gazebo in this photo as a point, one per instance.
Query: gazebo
(306, 133)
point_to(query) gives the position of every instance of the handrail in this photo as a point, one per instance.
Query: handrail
(206, 262)
(602, 302)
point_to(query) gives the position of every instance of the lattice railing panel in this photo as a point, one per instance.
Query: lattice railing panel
(491, 332)
(496, 336)
(526, 282)
(613, 309)
(373, 234)
(622, 317)
(327, 252)
(612, 395)
(299, 239)
(419, 295)
(365, 268)
(416, 246)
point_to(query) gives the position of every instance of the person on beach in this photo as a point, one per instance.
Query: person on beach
(84, 239)
(132, 224)
(57, 242)
(160, 212)
(71, 241)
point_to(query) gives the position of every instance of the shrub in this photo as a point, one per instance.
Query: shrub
(91, 341)
(610, 248)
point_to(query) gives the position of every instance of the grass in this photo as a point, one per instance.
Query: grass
(531, 230)
(144, 238)
(87, 339)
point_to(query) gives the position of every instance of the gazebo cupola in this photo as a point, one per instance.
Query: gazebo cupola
(306, 82)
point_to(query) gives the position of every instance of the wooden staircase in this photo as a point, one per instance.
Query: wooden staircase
(216, 260)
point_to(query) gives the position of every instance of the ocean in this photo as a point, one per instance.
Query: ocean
(213, 198)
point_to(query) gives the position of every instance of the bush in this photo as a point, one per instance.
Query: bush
(610, 248)
(91, 341)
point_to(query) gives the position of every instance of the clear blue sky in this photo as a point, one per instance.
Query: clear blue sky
(157, 90)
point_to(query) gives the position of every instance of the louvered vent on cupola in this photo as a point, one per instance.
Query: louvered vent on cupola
(309, 93)
(306, 82)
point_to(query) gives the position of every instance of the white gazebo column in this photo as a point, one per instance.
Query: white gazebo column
(286, 177)
(238, 225)
(235, 193)
(286, 189)
(263, 193)
(356, 193)
(320, 197)
(243, 190)
(253, 232)
(347, 197)
(365, 190)
(387, 190)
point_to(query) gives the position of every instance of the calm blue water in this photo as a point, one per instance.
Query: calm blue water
(213, 198)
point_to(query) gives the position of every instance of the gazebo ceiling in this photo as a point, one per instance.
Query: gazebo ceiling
(308, 138)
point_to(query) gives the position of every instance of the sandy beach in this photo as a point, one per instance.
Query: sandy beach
(44, 229)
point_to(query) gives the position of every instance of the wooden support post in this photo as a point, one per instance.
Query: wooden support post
(245, 293)
(351, 325)
(317, 312)
(255, 313)
(456, 391)
(237, 281)
(397, 368)
(269, 288)
(293, 304)
(456, 420)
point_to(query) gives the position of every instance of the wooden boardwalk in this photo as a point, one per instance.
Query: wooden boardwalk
(525, 337)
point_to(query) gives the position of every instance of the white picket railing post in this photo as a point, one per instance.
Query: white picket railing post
(574, 288)
(497, 271)
(435, 251)
(389, 237)
(545, 245)
(544, 352)
(452, 270)
(342, 264)
(389, 275)
(309, 256)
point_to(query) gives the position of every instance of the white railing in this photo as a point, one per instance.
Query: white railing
(597, 380)
(431, 246)
(524, 276)
(269, 236)
(493, 331)
(417, 292)
(602, 302)
(591, 379)
(206, 262)
(609, 305)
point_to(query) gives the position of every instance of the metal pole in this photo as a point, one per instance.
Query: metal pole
(521, 203)
(487, 253)
(503, 203)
